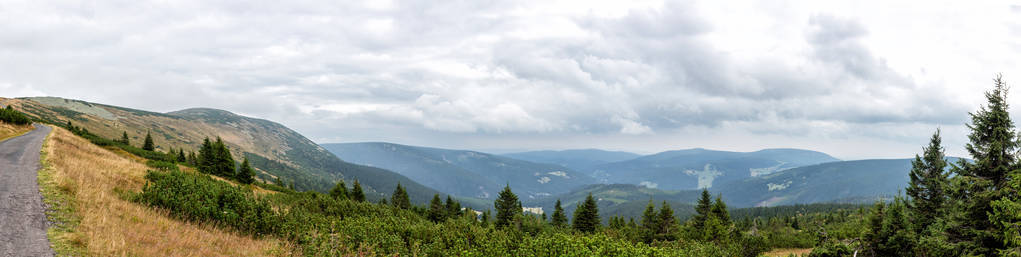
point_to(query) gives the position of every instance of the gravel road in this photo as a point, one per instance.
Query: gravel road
(22, 218)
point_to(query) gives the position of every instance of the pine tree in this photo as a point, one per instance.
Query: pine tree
(124, 138)
(650, 222)
(719, 210)
(436, 210)
(667, 222)
(338, 192)
(400, 198)
(180, 156)
(485, 218)
(926, 186)
(874, 236)
(453, 207)
(507, 207)
(245, 174)
(993, 145)
(702, 211)
(148, 145)
(356, 192)
(559, 219)
(206, 158)
(586, 216)
(224, 165)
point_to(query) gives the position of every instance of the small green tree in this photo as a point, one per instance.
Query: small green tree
(400, 198)
(453, 207)
(436, 210)
(586, 216)
(507, 206)
(926, 188)
(356, 192)
(148, 145)
(245, 174)
(702, 211)
(559, 219)
(338, 192)
(124, 138)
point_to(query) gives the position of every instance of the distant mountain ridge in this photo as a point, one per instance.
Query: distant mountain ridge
(462, 172)
(577, 159)
(698, 168)
(273, 149)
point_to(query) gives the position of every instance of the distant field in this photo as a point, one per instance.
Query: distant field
(88, 184)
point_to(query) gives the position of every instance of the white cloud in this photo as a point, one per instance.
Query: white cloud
(533, 74)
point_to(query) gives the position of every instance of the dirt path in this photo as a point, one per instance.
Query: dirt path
(22, 218)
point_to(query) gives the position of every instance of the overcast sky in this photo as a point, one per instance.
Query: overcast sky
(861, 79)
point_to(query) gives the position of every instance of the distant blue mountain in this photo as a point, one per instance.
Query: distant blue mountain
(700, 168)
(464, 173)
(577, 159)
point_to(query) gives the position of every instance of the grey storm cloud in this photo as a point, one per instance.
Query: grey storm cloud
(464, 71)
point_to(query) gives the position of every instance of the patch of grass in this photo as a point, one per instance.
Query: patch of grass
(88, 184)
(8, 130)
(60, 209)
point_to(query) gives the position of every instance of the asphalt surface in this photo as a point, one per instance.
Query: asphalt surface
(22, 213)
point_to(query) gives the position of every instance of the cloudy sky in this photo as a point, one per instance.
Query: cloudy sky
(861, 79)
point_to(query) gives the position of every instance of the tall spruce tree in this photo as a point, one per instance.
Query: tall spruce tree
(650, 222)
(926, 188)
(559, 219)
(356, 192)
(703, 210)
(667, 222)
(436, 211)
(993, 145)
(507, 207)
(223, 162)
(245, 174)
(206, 159)
(400, 198)
(338, 192)
(586, 216)
(180, 156)
(148, 145)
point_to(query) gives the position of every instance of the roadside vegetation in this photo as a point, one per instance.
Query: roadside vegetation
(13, 123)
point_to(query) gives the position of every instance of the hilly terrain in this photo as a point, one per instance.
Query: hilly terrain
(464, 173)
(618, 200)
(274, 150)
(845, 181)
(582, 160)
(701, 168)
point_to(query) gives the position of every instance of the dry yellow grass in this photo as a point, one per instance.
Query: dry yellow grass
(788, 252)
(10, 130)
(94, 180)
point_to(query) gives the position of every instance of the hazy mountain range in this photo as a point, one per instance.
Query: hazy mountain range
(624, 182)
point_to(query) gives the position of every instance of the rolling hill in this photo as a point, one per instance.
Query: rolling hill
(582, 160)
(618, 200)
(845, 181)
(273, 149)
(701, 168)
(464, 173)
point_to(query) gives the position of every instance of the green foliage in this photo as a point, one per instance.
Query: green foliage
(148, 145)
(926, 188)
(507, 207)
(339, 191)
(9, 115)
(104, 142)
(436, 210)
(586, 216)
(245, 174)
(400, 198)
(559, 219)
(831, 249)
(124, 138)
(356, 192)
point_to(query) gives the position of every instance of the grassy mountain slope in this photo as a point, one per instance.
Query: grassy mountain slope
(577, 159)
(464, 173)
(85, 184)
(698, 168)
(275, 150)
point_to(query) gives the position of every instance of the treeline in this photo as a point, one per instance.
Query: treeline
(12, 116)
(967, 208)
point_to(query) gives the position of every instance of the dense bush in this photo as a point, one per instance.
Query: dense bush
(9, 115)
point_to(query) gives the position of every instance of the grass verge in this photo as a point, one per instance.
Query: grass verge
(84, 186)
